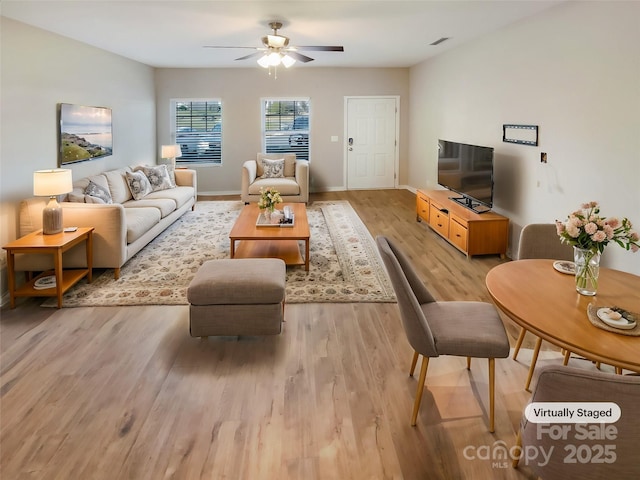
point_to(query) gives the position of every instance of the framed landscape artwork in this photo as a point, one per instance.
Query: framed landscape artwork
(85, 133)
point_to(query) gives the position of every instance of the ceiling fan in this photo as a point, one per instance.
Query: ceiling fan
(277, 51)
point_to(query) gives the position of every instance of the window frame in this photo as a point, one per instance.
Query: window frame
(189, 160)
(283, 132)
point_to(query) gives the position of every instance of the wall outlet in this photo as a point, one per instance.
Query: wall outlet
(334, 138)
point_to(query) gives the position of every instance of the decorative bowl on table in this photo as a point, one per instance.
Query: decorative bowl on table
(617, 317)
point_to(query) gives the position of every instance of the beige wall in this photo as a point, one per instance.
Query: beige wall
(241, 90)
(40, 70)
(574, 70)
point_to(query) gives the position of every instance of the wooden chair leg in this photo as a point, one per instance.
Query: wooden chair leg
(567, 355)
(515, 461)
(534, 359)
(413, 363)
(492, 393)
(468, 363)
(416, 403)
(519, 343)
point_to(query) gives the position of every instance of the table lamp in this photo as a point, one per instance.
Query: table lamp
(52, 183)
(171, 152)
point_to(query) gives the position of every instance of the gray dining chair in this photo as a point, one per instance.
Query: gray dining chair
(585, 451)
(434, 328)
(540, 240)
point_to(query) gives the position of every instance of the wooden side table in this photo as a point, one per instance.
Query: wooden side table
(55, 245)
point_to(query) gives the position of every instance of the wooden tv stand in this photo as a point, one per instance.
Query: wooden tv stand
(471, 233)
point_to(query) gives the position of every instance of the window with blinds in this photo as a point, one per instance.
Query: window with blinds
(286, 126)
(197, 128)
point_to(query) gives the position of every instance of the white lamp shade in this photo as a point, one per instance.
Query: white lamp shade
(287, 61)
(274, 59)
(49, 183)
(171, 151)
(263, 61)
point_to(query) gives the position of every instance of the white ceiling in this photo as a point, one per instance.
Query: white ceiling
(172, 33)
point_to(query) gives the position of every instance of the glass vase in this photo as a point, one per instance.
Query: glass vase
(587, 269)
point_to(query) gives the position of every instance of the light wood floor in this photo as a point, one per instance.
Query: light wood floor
(126, 393)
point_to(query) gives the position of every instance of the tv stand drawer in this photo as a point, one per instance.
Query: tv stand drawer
(422, 207)
(439, 220)
(458, 235)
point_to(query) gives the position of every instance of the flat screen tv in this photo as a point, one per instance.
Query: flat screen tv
(467, 170)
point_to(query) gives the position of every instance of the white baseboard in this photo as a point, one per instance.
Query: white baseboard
(329, 189)
(219, 193)
(341, 188)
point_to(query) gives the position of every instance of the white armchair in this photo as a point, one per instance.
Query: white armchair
(293, 185)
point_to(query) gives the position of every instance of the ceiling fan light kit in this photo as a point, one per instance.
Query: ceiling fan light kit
(278, 52)
(274, 59)
(287, 61)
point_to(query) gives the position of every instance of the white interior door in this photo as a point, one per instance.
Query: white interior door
(371, 142)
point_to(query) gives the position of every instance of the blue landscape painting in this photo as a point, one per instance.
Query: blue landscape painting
(85, 133)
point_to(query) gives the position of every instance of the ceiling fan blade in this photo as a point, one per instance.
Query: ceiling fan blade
(318, 48)
(299, 56)
(251, 55)
(224, 46)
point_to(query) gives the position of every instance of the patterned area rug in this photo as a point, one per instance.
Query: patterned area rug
(344, 266)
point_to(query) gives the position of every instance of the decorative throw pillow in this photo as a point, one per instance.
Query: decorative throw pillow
(76, 195)
(172, 173)
(96, 191)
(138, 184)
(158, 177)
(273, 168)
(92, 199)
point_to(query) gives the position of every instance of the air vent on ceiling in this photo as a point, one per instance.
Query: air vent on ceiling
(440, 40)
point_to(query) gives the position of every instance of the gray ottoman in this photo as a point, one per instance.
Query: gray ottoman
(237, 297)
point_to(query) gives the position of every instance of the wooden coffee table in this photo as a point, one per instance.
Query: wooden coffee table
(271, 241)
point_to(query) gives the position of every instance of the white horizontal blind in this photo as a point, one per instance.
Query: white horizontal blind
(197, 128)
(286, 126)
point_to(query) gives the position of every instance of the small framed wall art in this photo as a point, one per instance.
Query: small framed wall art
(84, 133)
(522, 134)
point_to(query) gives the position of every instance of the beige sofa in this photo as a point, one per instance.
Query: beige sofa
(122, 228)
(293, 185)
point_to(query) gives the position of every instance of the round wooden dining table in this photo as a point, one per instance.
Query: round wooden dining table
(545, 302)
